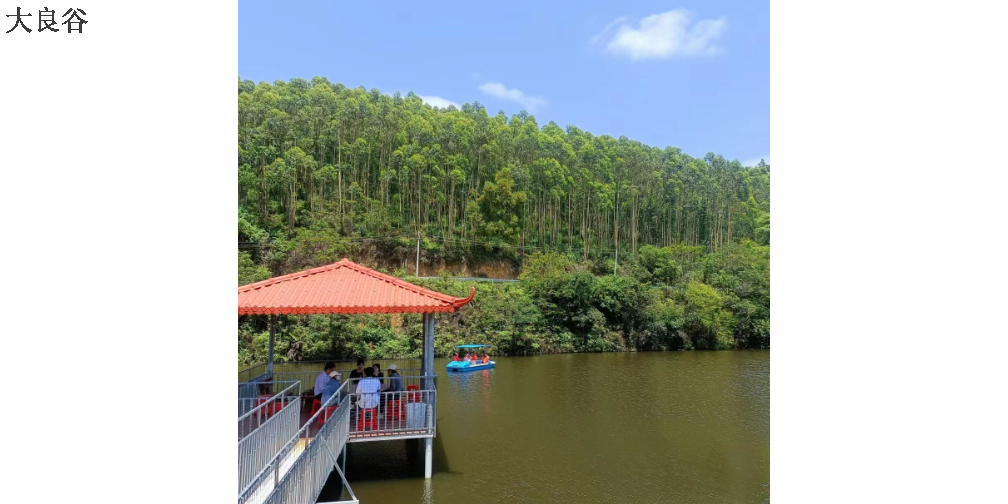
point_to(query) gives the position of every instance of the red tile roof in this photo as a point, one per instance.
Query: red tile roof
(342, 287)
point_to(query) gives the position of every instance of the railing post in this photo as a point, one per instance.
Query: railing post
(276, 476)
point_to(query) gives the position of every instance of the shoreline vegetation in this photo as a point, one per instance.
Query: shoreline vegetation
(561, 306)
(620, 246)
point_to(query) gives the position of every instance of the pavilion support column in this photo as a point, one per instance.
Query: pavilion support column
(427, 358)
(423, 352)
(269, 357)
(428, 374)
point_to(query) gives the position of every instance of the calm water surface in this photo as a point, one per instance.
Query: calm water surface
(691, 427)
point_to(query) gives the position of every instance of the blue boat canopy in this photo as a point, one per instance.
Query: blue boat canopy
(471, 346)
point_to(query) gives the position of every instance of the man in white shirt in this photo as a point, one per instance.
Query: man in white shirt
(323, 379)
(367, 390)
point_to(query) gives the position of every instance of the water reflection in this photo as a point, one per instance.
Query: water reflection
(475, 382)
(428, 494)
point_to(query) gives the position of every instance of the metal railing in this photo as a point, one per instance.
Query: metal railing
(299, 469)
(259, 446)
(251, 373)
(248, 377)
(250, 394)
(407, 376)
(297, 473)
(346, 364)
(247, 390)
(305, 479)
(405, 414)
(252, 412)
(258, 371)
(307, 378)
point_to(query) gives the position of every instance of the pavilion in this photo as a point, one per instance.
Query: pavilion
(345, 287)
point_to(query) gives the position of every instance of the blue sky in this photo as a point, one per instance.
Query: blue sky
(689, 75)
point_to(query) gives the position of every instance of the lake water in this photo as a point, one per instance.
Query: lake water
(691, 427)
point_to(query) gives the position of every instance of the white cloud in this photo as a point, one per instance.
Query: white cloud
(437, 101)
(663, 36)
(529, 103)
(755, 161)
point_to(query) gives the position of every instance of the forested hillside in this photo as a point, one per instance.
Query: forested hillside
(325, 171)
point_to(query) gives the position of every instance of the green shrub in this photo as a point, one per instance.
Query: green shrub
(668, 303)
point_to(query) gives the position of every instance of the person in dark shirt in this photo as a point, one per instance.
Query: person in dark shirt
(356, 374)
(377, 373)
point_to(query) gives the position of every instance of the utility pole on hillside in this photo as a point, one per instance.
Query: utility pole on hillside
(418, 254)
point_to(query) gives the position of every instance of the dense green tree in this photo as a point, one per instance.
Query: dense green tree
(620, 245)
(706, 319)
(248, 271)
(501, 209)
(315, 151)
(761, 223)
(657, 264)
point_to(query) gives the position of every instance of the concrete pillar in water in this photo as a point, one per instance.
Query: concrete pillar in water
(428, 457)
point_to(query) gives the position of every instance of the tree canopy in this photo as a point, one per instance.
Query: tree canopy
(374, 168)
(621, 245)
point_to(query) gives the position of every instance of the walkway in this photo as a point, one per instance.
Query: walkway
(300, 469)
(297, 471)
(260, 494)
